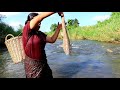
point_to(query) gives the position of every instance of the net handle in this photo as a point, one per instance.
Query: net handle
(8, 36)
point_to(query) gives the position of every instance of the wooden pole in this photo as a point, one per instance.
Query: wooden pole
(66, 41)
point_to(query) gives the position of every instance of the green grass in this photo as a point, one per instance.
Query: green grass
(108, 30)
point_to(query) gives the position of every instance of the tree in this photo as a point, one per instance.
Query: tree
(19, 31)
(53, 27)
(1, 17)
(5, 29)
(72, 23)
(76, 23)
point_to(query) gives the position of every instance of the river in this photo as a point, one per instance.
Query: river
(89, 59)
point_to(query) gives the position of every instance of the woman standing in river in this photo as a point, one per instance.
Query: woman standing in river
(34, 42)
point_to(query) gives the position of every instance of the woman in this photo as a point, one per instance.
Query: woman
(34, 42)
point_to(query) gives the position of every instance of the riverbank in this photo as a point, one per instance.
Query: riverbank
(114, 42)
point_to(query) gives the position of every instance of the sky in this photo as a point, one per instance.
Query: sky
(14, 19)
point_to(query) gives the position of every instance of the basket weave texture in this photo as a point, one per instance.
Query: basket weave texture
(15, 48)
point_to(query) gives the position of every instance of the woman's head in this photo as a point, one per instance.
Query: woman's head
(30, 17)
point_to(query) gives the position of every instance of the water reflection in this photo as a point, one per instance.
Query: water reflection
(7, 68)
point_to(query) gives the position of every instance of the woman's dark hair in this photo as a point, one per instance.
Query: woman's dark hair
(30, 17)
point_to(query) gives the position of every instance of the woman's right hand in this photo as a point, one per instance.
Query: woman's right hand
(61, 14)
(59, 27)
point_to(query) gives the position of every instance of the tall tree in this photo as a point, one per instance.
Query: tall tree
(76, 23)
(19, 31)
(1, 17)
(53, 27)
(72, 23)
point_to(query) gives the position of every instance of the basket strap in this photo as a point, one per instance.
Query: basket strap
(11, 36)
(8, 36)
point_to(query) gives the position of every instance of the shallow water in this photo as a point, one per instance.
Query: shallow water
(89, 59)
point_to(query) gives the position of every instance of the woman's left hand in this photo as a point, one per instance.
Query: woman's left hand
(61, 14)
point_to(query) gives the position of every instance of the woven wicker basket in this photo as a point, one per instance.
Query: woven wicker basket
(15, 48)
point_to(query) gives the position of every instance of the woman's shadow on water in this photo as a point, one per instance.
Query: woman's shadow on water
(69, 70)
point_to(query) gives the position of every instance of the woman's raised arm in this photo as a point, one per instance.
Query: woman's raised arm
(36, 20)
